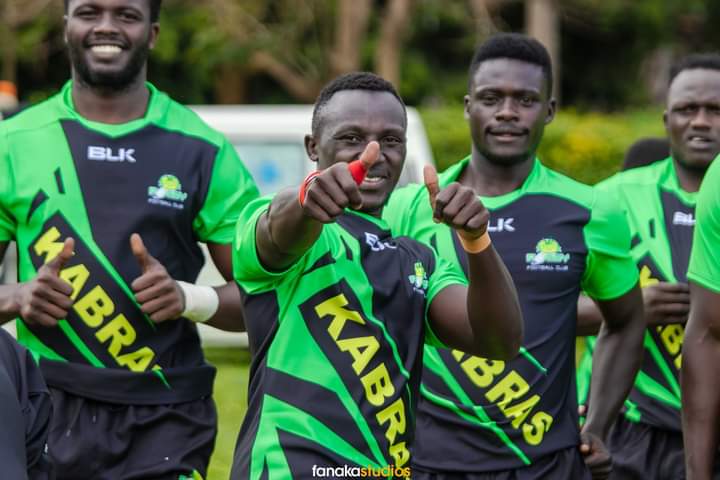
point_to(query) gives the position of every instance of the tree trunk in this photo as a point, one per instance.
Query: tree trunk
(392, 33)
(350, 32)
(542, 22)
(230, 85)
(484, 24)
(300, 87)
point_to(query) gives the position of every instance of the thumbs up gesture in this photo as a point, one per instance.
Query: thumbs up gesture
(456, 206)
(158, 295)
(46, 299)
(337, 187)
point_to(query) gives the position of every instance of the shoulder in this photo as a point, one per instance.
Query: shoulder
(551, 182)
(648, 175)
(33, 118)
(182, 119)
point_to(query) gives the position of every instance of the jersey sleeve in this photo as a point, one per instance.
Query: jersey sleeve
(610, 271)
(231, 188)
(7, 221)
(444, 275)
(248, 270)
(704, 266)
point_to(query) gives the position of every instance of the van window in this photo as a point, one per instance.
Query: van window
(273, 164)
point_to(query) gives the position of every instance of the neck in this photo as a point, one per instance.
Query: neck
(688, 178)
(111, 105)
(490, 179)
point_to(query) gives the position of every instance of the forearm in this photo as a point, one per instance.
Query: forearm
(701, 402)
(229, 315)
(284, 233)
(589, 317)
(9, 307)
(616, 361)
(492, 305)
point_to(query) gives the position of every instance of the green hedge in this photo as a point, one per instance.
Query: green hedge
(585, 146)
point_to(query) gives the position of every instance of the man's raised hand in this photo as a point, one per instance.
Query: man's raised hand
(46, 299)
(158, 294)
(337, 187)
(456, 206)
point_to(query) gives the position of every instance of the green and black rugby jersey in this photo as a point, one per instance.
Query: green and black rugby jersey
(704, 266)
(166, 176)
(556, 237)
(337, 345)
(662, 218)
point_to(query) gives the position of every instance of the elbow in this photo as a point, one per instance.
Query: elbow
(506, 341)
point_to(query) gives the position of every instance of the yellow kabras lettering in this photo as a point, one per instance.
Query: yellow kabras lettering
(400, 454)
(362, 349)
(48, 245)
(137, 361)
(512, 386)
(119, 332)
(535, 431)
(672, 337)
(508, 389)
(482, 371)
(335, 307)
(77, 276)
(378, 385)
(94, 307)
(395, 414)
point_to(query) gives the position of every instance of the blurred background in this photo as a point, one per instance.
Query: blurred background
(611, 61)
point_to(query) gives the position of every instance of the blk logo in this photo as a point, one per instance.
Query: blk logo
(106, 154)
(377, 245)
(502, 225)
(685, 219)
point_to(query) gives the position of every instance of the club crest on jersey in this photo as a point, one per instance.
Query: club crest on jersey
(419, 280)
(548, 256)
(168, 192)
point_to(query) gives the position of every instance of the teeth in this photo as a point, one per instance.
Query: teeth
(106, 49)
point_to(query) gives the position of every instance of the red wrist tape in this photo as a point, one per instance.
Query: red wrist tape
(305, 184)
(357, 170)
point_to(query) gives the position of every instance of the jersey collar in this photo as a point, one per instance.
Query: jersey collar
(157, 105)
(453, 173)
(669, 180)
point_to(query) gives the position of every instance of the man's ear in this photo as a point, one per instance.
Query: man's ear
(552, 107)
(311, 148)
(466, 101)
(154, 32)
(665, 119)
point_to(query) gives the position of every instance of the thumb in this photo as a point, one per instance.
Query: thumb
(359, 168)
(431, 183)
(141, 254)
(57, 263)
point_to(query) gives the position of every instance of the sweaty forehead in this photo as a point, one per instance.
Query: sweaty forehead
(362, 107)
(695, 85)
(508, 74)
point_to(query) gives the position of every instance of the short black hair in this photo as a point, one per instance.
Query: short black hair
(646, 151)
(707, 61)
(515, 46)
(352, 81)
(154, 9)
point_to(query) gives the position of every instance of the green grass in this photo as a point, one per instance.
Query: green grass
(233, 365)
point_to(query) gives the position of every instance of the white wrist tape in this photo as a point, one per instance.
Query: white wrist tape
(201, 302)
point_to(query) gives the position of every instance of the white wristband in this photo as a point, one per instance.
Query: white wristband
(201, 302)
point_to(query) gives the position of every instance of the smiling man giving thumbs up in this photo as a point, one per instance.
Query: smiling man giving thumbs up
(338, 309)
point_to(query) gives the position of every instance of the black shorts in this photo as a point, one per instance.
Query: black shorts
(564, 464)
(643, 452)
(104, 441)
(25, 411)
